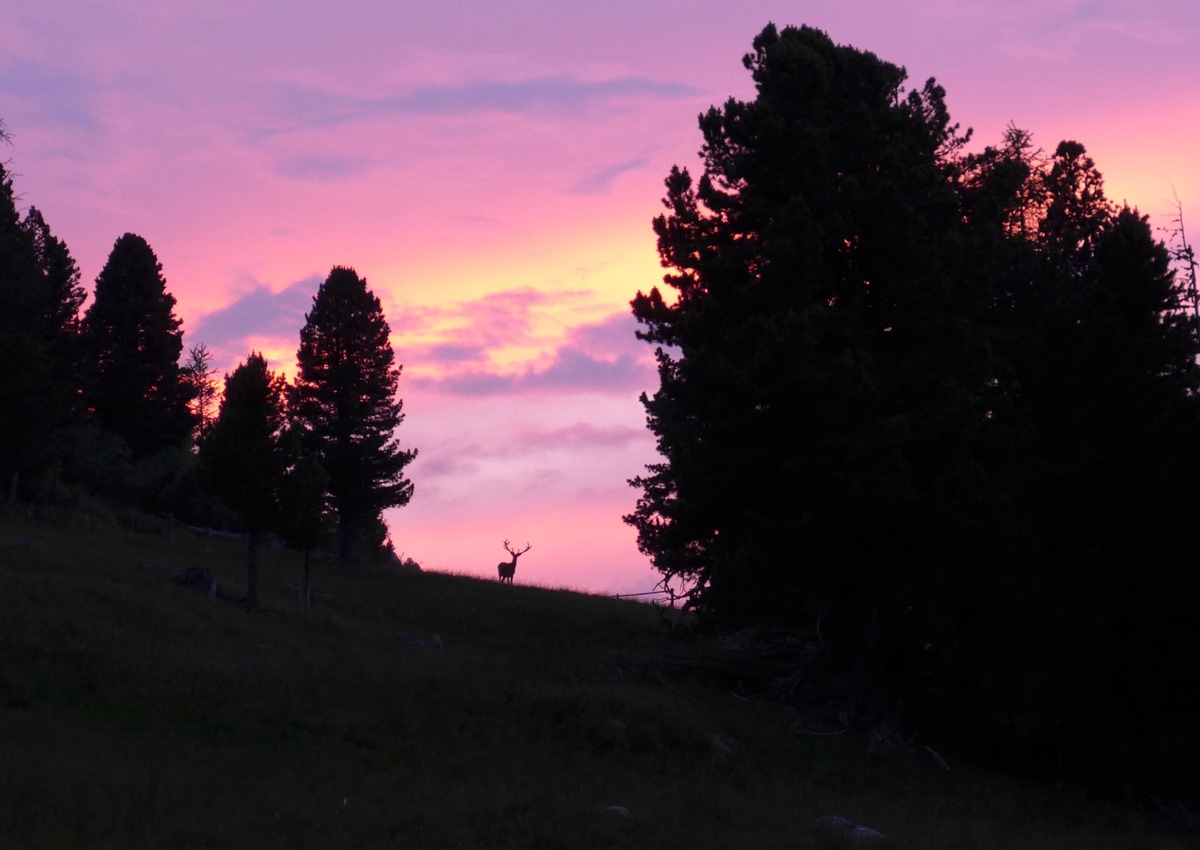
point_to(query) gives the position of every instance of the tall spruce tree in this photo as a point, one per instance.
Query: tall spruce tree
(243, 461)
(39, 288)
(26, 358)
(305, 509)
(940, 407)
(818, 365)
(199, 374)
(60, 293)
(1105, 394)
(60, 298)
(135, 386)
(344, 404)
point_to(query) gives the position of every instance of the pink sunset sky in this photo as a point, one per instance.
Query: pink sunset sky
(492, 170)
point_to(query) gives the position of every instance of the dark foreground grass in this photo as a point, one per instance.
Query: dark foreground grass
(421, 711)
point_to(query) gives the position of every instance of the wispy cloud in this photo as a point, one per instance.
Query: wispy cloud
(468, 331)
(65, 100)
(461, 457)
(1059, 31)
(600, 182)
(601, 357)
(454, 352)
(585, 435)
(303, 106)
(322, 168)
(594, 357)
(257, 314)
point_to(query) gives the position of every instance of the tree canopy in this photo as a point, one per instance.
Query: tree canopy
(815, 342)
(937, 406)
(135, 386)
(242, 459)
(199, 375)
(100, 405)
(345, 406)
(40, 291)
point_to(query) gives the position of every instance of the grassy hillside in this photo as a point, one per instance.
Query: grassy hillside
(421, 711)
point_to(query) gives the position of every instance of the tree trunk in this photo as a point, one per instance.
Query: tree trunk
(347, 532)
(307, 584)
(252, 570)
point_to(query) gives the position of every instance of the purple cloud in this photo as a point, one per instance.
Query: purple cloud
(602, 357)
(452, 352)
(469, 329)
(322, 168)
(60, 98)
(258, 313)
(585, 435)
(308, 106)
(574, 369)
(615, 335)
(600, 183)
(457, 458)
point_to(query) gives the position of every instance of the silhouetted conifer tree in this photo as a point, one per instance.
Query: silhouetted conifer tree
(199, 375)
(243, 461)
(940, 408)
(41, 296)
(1102, 392)
(26, 360)
(61, 298)
(819, 369)
(134, 385)
(61, 294)
(305, 517)
(345, 407)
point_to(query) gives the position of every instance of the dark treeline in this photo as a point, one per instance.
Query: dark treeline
(100, 402)
(939, 407)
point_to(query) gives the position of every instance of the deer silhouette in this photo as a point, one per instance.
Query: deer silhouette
(508, 568)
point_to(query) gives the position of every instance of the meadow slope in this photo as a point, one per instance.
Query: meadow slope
(422, 711)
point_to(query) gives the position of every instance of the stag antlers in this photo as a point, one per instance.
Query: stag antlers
(508, 568)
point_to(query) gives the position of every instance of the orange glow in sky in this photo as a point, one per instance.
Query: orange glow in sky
(492, 170)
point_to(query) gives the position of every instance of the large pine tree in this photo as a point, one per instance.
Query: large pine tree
(60, 298)
(134, 385)
(817, 361)
(60, 293)
(939, 408)
(25, 357)
(243, 461)
(40, 297)
(1090, 623)
(345, 406)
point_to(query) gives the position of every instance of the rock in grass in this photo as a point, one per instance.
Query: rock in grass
(849, 829)
(200, 578)
(619, 812)
(725, 747)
